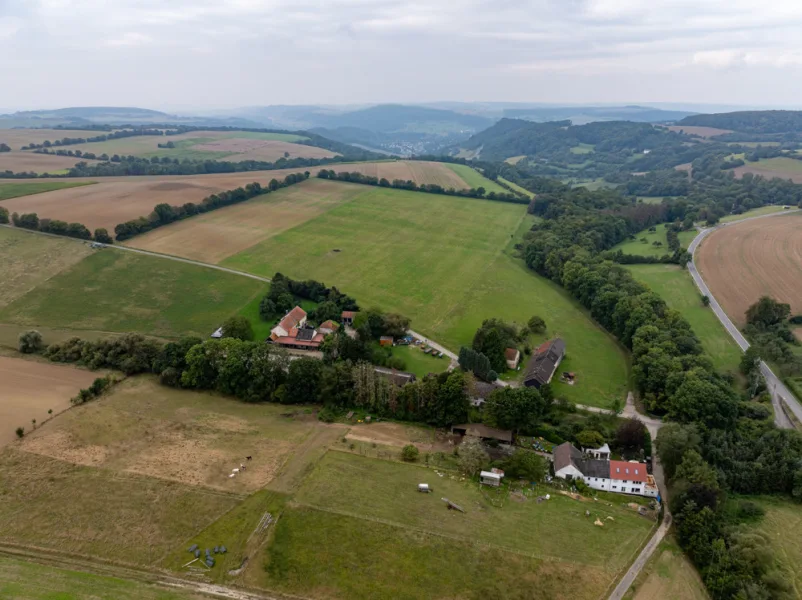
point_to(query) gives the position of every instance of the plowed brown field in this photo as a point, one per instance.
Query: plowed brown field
(762, 257)
(114, 200)
(29, 389)
(269, 150)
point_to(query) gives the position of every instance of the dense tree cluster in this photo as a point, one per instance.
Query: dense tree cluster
(431, 188)
(493, 338)
(331, 302)
(477, 363)
(768, 328)
(164, 214)
(5, 147)
(750, 121)
(54, 226)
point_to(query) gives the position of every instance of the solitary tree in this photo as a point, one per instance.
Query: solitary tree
(410, 453)
(536, 324)
(472, 456)
(30, 342)
(705, 300)
(20, 431)
(238, 327)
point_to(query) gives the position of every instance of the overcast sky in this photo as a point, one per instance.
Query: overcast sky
(225, 53)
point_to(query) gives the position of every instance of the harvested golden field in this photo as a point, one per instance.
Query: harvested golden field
(216, 235)
(19, 162)
(269, 150)
(28, 389)
(17, 138)
(29, 259)
(418, 171)
(705, 132)
(190, 437)
(761, 257)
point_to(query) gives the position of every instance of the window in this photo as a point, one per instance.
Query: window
(615, 487)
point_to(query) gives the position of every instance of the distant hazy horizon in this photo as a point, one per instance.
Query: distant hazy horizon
(205, 54)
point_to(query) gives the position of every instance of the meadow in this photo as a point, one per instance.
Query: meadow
(668, 575)
(755, 212)
(674, 285)
(216, 235)
(475, 179)
(647, 248)
(112, 290)
(780, 166)
(446, 263)
(419, 363)
(742, 262)
(33, 581)
(517, 187)
(19, 162)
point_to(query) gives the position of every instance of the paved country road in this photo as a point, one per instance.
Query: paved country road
(776, 387)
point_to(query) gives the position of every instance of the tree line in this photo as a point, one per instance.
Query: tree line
(112, 135)
(430, 188)
(164, 214)
(75, 230)
(722, 440)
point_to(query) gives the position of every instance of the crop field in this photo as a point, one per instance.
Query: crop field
(82, 510)
(441, 261)
(29, 260)
(780, 166)
(674, 285)
(30, 389)
(238, 149)
(14, 190)
(704, 132)
(17, 138)
(19, 162)
(668, 575)
(22, 580)
(647, 248)
(185, 436)
(363, 502)
(112, 290)
(743, 262)
(216, 235)
(406, 170)
(186, 144)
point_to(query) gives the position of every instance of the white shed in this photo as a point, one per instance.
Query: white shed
(490, 478)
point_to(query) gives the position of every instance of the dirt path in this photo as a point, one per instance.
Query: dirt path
(306, 456)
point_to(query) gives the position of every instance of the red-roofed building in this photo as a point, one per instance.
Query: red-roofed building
(291, 333)
(512, 356)
(292, 320)
(348, 317)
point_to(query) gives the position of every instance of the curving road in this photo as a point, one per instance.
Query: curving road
(779, 392)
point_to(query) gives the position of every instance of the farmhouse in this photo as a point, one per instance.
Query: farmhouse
(513, 357)
(481, 392)
(544, 363)
(483, 432)
(603, 474)
(348, 317)
(327, 327)
(292, 333)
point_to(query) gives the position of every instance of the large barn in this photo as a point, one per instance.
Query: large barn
(544, 363)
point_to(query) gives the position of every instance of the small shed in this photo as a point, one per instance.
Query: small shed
(386, 340)
(424, 487)
(348, 317)
(490, 478)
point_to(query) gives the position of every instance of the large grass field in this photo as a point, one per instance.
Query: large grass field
(674, 285)
(647, 248)
(358, 528)
(112, 290)
(21, 580)
(475, 179)
(446, 263)
(14, 190)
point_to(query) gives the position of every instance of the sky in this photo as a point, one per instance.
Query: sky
(195, 54)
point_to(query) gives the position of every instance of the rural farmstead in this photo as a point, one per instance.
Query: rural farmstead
(602, 473)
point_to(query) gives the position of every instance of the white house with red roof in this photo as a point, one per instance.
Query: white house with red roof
(603, 474)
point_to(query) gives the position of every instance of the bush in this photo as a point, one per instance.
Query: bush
(3, 215)
(20, 431)
(536, 324)
(238, 327)
(410, 453)
(326, 415)
(746, 510)
(30, 342)
(102, 236)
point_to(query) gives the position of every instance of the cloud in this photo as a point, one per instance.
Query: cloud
(308, 51)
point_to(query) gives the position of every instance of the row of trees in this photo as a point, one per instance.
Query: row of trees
(54, 226)
(477, 363)
(431, 188)
(113, 135)
(5, 147)
(164, 214)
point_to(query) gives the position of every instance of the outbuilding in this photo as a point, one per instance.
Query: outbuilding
(490, 478)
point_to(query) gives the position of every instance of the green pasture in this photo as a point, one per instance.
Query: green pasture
(446, 263)
(755, 212)
(647, 248)
(674, 285)
(15, 190)
(583, 148)
(475, 179)
(112, 290)
(419, 363)
(517, 187)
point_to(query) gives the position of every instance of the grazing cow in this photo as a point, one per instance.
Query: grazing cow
(248, 457)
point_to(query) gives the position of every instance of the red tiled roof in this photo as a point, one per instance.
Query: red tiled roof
(292, 318)
(627, 471)
(511, 354)
(348, 314)
(329, 325)
(291, 341)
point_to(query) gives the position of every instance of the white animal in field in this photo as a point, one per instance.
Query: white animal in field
(235, 470)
